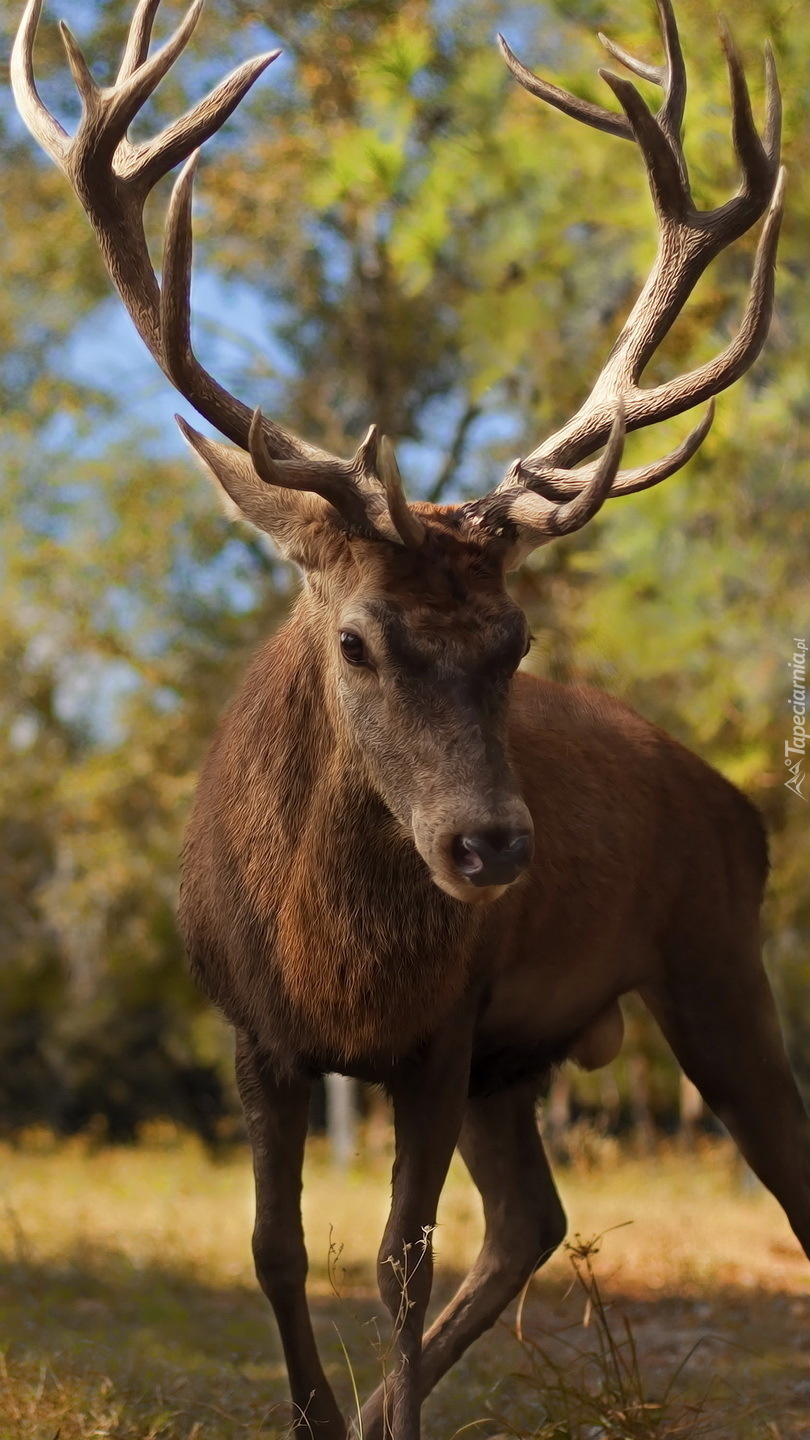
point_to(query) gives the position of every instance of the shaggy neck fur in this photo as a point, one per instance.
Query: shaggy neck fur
(310, 917)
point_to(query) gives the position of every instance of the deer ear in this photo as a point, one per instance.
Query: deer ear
(299, 523)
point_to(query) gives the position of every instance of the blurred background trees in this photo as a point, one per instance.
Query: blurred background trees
(390, 230)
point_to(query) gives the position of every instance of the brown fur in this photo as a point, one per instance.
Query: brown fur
(350, 893)
(313, 921)
(323, 913)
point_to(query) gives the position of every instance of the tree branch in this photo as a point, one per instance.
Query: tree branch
(454, 455)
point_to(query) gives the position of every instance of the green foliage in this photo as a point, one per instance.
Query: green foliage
(434, 251)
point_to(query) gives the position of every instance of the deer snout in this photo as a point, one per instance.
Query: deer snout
(492, 857)
(475, 857)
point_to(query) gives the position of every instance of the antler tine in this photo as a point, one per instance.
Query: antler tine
(410, 530)
(89, 91)
(688, 241)
(670, 116)
(278, 472)
(336, 481)
(655, 74)
(523, 516)
(671, 76)
(755, 163)
(155, 158)
(667, 177)
(590, 114)
(138, 39)
(179, 362)
(772, 137)
(126, 99)
(45, 129)
(558, 484)
(565, 519)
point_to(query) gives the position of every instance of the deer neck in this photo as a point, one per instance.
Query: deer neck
(367, 950)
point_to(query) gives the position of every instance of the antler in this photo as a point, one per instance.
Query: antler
(112, 178)
(689, 240)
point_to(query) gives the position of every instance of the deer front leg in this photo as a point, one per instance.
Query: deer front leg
(276, 1117)
(429, 1096)
(525, 1222)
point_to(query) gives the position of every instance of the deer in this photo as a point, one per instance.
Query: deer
(409, 860)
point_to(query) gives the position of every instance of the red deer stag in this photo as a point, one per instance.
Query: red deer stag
(408, 861)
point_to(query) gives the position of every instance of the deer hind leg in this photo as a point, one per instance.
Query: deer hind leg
(525, 1223)
(717, 1011)
(276, 1117)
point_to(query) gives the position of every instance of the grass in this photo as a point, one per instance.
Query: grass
(128, 1306)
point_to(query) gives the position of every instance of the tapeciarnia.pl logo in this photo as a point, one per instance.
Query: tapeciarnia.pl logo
(796, 746)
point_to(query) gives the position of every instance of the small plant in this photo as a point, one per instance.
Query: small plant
(597, 1390)
(593, 1388)
(404, 1270)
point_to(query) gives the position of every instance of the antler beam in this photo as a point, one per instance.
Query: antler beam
(689, 239)
(112, 178)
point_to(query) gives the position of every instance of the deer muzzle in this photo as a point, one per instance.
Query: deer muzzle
(475, 857)
(492, 857)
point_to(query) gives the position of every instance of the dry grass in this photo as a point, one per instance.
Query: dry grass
(128, 1306)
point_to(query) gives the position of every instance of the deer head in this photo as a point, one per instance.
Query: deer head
(407, 604)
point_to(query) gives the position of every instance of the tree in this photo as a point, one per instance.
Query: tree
(390, 231)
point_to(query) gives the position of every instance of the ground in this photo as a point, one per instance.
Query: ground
(128, 1306)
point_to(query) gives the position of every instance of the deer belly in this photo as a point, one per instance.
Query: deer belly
(599, 1041)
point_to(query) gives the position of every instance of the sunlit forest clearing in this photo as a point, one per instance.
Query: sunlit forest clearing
(388, 232)
(128, 1305)
(387, 166)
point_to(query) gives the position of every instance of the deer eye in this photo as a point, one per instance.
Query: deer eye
(352, 648)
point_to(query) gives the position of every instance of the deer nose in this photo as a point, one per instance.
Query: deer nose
(492, 857)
